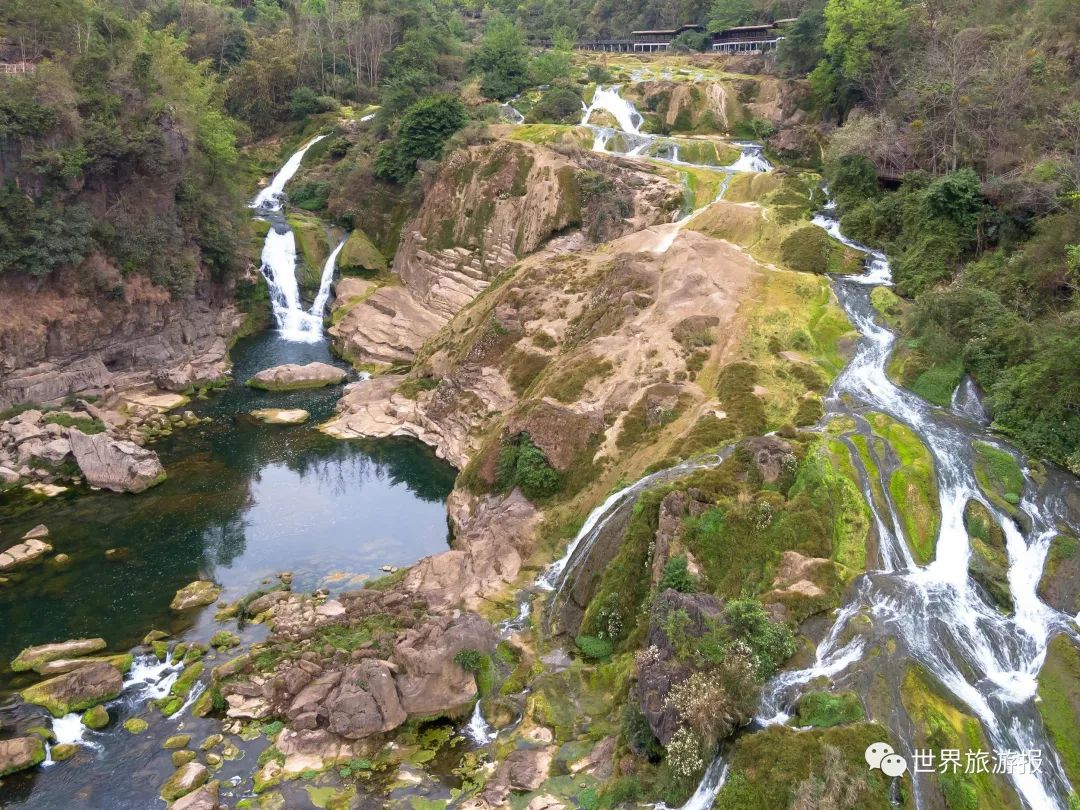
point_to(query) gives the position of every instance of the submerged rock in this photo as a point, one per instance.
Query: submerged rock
(195, 594)
(20, 753)
(120, 466)
(281, 416)
(293, 377)
(35, 657)
(77, 690)
(22, 553)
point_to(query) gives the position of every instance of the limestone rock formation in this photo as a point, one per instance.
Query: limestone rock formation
(293, 377)
(281, 416)
(120, 466)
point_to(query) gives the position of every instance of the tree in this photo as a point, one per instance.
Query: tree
(866, 39)
(424, 129)
(554, 63)
(502, 59)
(729, 13)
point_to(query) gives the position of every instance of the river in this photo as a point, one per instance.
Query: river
(243, 501)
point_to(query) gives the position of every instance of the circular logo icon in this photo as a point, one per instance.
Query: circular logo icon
(893, 765)
(877, 752)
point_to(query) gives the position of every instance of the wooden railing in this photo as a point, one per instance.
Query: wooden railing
(16, 68)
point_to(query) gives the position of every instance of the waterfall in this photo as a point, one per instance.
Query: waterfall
(270, 198)
(988, 661)
(294, 322)
(966, 401)
(752, 159)
(609, 100)
(478, 729)
(511, 113)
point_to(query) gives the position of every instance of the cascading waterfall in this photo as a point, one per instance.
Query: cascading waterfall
(986, 660)
(294, 322)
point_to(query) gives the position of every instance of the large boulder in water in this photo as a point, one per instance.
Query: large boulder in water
(113, 464)
(35, 657)
(20, 753)
(365, 702)
(184, 780)
(293, 377)
(76, 690)
(429, 680)
(195, 594)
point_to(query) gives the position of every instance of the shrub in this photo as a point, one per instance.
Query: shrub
(807, 249)
(424, 129)
(676, 575)
(470, 660)
(559, 105)
(824, 709)
(593, 647)
(524, 465)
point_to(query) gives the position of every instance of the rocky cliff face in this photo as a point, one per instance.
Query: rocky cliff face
(488, 207)
(89, 330)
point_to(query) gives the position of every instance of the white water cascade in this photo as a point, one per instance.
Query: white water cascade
(294, 321)
(987, 660)
(270, 198)
(478, 730)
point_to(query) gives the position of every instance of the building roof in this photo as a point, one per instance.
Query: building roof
(672, 31)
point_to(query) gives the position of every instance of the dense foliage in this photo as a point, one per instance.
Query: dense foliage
(116, 145)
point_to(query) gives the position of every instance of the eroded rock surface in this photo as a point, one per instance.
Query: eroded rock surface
(120, 466)
(292, 377)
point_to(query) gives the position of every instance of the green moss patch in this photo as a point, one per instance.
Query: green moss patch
(940, 725)
(359, 255)
(989, 561)
(828, 709)
(999, 475)
(913, 487)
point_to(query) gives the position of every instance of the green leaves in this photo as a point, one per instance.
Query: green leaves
(424, 129)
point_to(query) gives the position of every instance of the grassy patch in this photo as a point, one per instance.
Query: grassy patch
(359, 255)
(826, 709)
(87, 424)
(781, 767)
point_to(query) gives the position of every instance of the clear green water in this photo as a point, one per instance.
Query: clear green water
(242, 502)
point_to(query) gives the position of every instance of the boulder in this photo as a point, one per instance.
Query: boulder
(77, 690)
(281, 416)
(293, 377)
(524, 769)
(35, 657)
(8, 476)
(429, 681)
(184, 780)
(195, 594)
(39, 532)
(311, 750)
(96, 717)
(109, 463)
(365, 702)
(205, 798)
(20, 753)
(22, 553)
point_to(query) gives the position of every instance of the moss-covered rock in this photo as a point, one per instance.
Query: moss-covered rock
(1000, 476)
(1060, 583)
(63, 752)
(186, 778)
(34, 657)
(182, 758)
(989, 561)
(779, 767)
(827, 709)
(95, 717)
(359, 255)
(135, 725)
(20, 753)
(77, 690)
(177, 741)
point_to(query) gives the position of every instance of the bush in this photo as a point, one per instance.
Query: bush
(559, 105)
(824, 709)
(677, 576)
(305, 102)
(593, 647)
(522, 464)
(692, 41)
(470, 660)
(424, 129)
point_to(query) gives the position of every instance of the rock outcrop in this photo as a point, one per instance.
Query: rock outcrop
(195, 594)
(27, 551)
(294, 377)
(281, 416)
(109, 463)
(488, 207)
(70, 335)
(35, 657)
